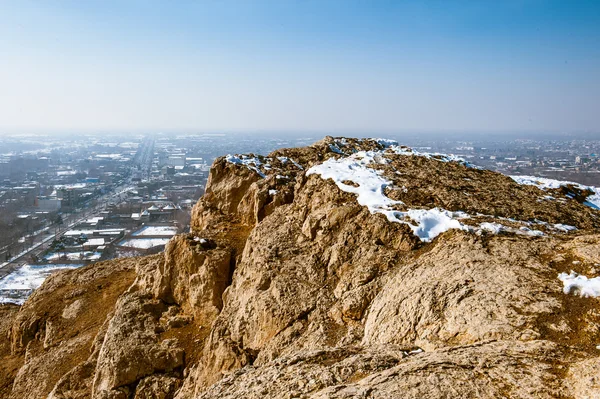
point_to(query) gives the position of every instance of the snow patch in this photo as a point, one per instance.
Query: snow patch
(251, 163)
(564, 227)
(433, 222)
(494, 228)
(370, 191)
(371, 185)
(285, 160)
(576, 284)
(593, 200)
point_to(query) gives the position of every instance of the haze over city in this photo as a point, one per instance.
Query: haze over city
(280, 66)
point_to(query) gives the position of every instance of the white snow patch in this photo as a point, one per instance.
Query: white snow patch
(251, 163)
(371, 185)
(493, 228)
(528, 232)
(272, 192)
(285, 160)
(576, 284)
(425, 223)
(433, 222)
(430, 155)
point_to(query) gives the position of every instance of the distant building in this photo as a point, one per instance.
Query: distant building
(69, 197)
(175, 160)
(50, 204)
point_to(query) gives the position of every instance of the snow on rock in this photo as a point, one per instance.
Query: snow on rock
(433, 222)
(529, 232)
(285, 160)
(252, 163)
(370, 185)
(272, 192)
(564, 227)
(497, 228)
(403, 150)
(593, 200)
(576, 284)
(353, 174)
(494, 228)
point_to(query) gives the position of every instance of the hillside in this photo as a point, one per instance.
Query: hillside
(349, 268)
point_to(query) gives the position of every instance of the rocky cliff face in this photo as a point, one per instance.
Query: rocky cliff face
(350, 268)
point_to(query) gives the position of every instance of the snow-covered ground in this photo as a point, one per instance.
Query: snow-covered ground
(18, 285)
(74, 256)
(156, 231)
(544, 183)
(143, 243)
(369, 185)
(354, 174)
(251, 163)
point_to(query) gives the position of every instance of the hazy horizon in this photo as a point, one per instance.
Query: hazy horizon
(320, 67)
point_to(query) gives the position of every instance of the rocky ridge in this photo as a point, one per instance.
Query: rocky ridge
(349, 268)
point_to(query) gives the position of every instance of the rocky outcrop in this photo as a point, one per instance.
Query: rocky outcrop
(45, 344)
(349, 268)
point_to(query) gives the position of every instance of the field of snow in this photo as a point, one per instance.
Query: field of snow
(156, 231)
(143, 243)
(28, 277)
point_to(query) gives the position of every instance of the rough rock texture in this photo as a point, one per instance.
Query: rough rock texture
(286, 287)
(47, 345)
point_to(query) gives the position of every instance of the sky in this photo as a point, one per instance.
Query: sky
(300, 65)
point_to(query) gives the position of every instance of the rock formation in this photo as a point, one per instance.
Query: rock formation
(346, 269)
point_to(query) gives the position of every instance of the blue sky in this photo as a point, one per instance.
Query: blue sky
(300, 65)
